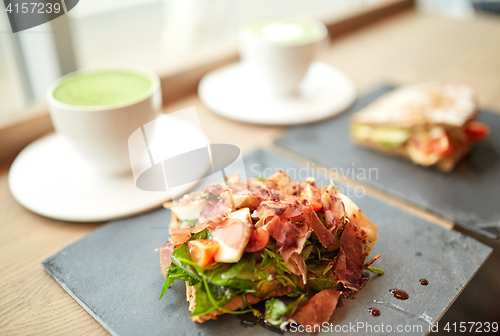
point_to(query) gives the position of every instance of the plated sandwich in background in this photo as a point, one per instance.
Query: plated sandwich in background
(239, 243)
(430, 124)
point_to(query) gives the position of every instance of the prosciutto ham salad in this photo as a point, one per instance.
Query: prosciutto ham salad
(240, 242)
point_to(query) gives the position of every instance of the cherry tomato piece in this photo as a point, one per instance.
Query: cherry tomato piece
(476, 130)
(258, 240)
(202, 251)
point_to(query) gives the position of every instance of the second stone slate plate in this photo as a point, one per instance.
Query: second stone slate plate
(467, 196)
(114, 273)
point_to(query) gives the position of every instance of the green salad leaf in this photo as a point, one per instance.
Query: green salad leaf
(205, 196)
(203, 234)
(320, 284)
(182, 259)
(241, 275)
(277, 312)
(211, 297)
(306, 252)
(191, 222)
(216, 284)
(375, 270)
(273, 259)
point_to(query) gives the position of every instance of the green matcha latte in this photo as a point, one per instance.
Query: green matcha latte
(102, 88)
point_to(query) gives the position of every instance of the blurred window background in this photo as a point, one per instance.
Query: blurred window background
(155, 34)
(11, 86)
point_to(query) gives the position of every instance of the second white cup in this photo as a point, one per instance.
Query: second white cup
(279, 51)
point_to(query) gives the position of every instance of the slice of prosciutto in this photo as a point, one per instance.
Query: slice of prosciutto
(325, 237)
(280, 182)
(282, 209)
(166, 258)
(356, 243)
(232, 234)
(290, 239)
(288, 234)
(296, 212)
(235, 183)
(295, 263)
(215, 210)
(180, 235)
(318, 309)
(334, 209)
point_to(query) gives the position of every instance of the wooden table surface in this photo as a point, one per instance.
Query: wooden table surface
(403, 49)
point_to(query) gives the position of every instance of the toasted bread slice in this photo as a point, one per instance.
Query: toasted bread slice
(424, 104)
(427, 123)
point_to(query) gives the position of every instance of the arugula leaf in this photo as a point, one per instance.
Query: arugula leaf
(205, 196)
(321, 216)
(260, 178)
(286, 281)
(203, 234)
(375, 270)
(166, 285)
(266, 261)
(276, 260)
(275, 311)
(221, 277)
(306, 252)
(315, 268)
(241, 275)
(320, 284)
(319, 252)
(191, 222)
(179, 258)
(215, 298)
(178, 273)
(278, 312)
(329, 255)
(179, 269)
(327, 268)
(174, 273)
(212, 297)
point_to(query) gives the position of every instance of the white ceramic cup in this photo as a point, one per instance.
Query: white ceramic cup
(278, 53)
(99, 134)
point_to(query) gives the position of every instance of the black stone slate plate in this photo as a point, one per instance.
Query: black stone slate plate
(114, 272)
(468, 196)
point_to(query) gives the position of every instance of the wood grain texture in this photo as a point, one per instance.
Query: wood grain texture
(27, 126)
(404, 49)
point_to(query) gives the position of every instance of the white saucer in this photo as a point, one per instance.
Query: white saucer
(48, 179)
(234, 92)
